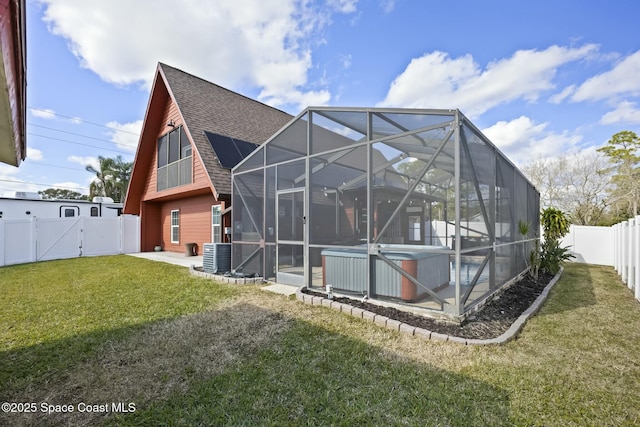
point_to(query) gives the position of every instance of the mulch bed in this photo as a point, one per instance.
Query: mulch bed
(490, 322)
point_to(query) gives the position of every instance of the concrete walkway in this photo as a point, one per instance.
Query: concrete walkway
(188, 261)
(171, 258)
(281, 289)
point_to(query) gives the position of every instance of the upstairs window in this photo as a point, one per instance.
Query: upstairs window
(174, 159)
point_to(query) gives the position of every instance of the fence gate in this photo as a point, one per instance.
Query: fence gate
(59, 238)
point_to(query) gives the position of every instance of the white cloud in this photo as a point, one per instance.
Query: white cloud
(621, 79)
(387, 5)
(73, 186)
(49, 114)
(10, 183)
(255, 43)
(344, 6)
(522, 140)
(559, 97)
(34, 153)
(345, 60)
(43, 113)
(84, 161)
(625, 112)
(435, 80)
(7, 171)
(125, 135)
(507, 134)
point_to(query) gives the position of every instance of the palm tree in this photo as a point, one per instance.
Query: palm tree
(98, 186)
(112, 178)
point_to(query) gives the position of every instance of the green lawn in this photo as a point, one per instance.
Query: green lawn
(187, 351)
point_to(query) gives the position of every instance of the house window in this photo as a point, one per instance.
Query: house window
(175, 226)
(216, 223)
(174, 159)
(94, 211)
(415, 225)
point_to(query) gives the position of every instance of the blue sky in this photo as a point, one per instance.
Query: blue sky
(540, 79)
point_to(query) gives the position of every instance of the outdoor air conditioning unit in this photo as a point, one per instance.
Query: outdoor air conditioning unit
(216, 257)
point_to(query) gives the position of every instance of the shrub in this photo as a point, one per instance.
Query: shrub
(554, 223)
(535, 261)
(553, 256)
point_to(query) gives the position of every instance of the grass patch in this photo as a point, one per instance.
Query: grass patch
(191, 352)
(576, 362)
(54, 314)
(314, 376)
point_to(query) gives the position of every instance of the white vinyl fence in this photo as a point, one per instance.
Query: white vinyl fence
(590, 245)
(627, 253)
(42, 239)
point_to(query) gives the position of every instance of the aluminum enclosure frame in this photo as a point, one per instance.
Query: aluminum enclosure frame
(413, 208)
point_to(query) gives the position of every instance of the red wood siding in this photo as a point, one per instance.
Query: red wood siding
(200, 177)
(151, 226)
(195, 222)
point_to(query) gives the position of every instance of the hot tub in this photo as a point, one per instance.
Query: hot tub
(346, 269)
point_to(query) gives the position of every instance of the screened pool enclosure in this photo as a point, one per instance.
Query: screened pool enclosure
(414, 208)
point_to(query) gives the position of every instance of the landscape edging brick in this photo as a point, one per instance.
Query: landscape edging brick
(396, 325)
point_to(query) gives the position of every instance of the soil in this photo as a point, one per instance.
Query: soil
(490, 321)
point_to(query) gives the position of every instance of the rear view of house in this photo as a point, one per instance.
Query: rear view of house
(194, 132)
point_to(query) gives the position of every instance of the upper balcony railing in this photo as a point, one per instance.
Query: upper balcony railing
(175, 174)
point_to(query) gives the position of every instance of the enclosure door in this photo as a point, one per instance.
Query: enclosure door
(290, 245)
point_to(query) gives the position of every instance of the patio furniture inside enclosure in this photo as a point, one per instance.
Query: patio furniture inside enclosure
(415, 207)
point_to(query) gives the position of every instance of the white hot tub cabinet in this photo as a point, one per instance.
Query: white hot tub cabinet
(346, 269)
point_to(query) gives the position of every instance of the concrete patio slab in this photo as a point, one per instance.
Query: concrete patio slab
(175, 258)
(281, 289)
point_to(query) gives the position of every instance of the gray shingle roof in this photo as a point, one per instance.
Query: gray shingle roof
(207, 106)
